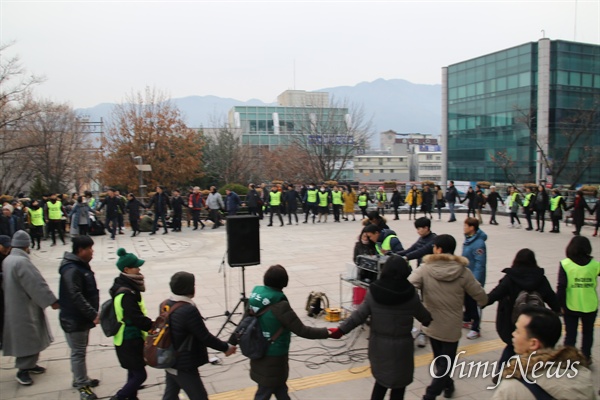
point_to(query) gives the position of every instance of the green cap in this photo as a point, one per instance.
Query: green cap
(128, 260)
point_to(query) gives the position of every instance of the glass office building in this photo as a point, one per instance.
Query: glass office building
(488, 101)
(276, 126)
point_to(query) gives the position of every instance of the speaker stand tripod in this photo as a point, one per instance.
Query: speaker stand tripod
(243, 301)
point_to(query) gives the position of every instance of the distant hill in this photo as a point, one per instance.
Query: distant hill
(395, 104)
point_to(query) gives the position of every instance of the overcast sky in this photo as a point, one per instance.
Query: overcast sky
(98, 51)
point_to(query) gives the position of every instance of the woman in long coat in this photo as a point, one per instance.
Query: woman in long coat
(26, 295)
(579, 206)
(392, 302)
(349, 201)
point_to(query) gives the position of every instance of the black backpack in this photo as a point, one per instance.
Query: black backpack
(525, 299)
(108, 317)
(249, 335)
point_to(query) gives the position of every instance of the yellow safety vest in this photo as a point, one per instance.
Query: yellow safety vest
(554, 201)
(527, 199)
(275, 198)
(385, 245)
(54, 210)
(36, 216)
(581, 285)
(323, 198)
(362, 199)
(117, 303)
(311, 196)
(337, 198)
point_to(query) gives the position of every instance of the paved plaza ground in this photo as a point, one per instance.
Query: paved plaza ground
(314, 255)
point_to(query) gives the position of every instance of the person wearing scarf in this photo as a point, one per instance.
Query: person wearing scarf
(391, 351)
(129, 307)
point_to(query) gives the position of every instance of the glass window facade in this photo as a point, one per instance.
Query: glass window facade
(486, 100)
(275, 126)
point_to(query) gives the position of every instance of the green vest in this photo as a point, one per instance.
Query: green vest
(581, 285)
(36, 216)
(381, 196)
(337, 198)
(527, 199)
(323, 199)
(92, 202)
(385, 246)
(362, 199)
(311, 196)
(54, 210)
(260, 297)
(274, 198)
(127, 330)
(554, 201)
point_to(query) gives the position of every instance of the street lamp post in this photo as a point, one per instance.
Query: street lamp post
(142, 167)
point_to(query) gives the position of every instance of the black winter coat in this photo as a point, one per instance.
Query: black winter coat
(160, 201)
(396, 199)
(186, 322)
(133, 208)
(291, 199)
(493, 198)
(470, 199)
(515, 280)
(131, 352)
(427, 204)
(78, 295)
(113, 206)
(420, 248)
(177, 204)
(252, 198)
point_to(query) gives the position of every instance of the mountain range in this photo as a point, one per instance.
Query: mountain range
(395, 104)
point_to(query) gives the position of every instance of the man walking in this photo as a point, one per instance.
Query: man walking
(177, 205)
(113, 208)
(196, 203)
(214, 202)
(54, 219)
(475, 251)
(451, 197)
(161, 205)
(79, 300)
(492, 200)
(26, 332)
(443, 279)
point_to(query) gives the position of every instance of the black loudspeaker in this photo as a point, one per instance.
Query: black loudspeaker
(243, 240)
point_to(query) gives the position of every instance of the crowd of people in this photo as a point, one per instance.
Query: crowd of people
(445, 292)
(452, 298)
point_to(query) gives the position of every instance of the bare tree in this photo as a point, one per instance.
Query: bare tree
(16, 102)
(63, 147)
(225, 159)
(570, 153)
(329, 137)
(150, 126)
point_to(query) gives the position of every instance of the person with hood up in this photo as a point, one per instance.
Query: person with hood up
(391, 352)
(79, 303)
(385, 240)
(131, 310)
(443, 279)
(475, 251)
(524, 274)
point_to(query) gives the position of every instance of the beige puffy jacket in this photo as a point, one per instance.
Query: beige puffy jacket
(443, 280)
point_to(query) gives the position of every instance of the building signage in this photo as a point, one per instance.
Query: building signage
(331, 139)
(418, 141)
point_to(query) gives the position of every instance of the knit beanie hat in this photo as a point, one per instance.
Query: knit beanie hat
(21, 239)
(4, 241)
(182, 283)
(128, 260)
